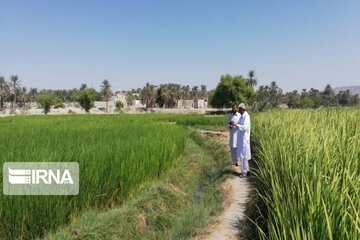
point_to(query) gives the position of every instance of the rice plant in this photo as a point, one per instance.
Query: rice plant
(308, 173)
(116, 154)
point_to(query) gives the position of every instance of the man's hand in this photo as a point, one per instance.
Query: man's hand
(231, 124)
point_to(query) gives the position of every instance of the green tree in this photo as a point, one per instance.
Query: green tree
(328, 96)
(195, 95)
(4, 89)
(306, 102)
(15, 83)
(344, 98)
(33, 92)
(45, 100)
(148, 95)
(119, 105)
(185, 92)
(106, 92)
(87, 97)
(203, 92)
(23, 96)
(251, 80)
(315, 96)
(167, 95)
(293, 103)
(58, 103)
(230, 90)
(83, 86)
(354, 100)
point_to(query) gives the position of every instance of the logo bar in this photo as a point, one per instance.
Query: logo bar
(40, 178)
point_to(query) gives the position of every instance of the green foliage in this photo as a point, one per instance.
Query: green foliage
(106, 90)
(268, 96)
(328, 96)
(87, 97)
(58, 103)
(45, 100)
(148, 95)
(119, 105)
(293, 103)
(230, 90)
(304, 103)
(168, 94)
(307, 103)
(251, 80)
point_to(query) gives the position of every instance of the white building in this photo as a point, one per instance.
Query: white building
(189, 104)
(120, 97)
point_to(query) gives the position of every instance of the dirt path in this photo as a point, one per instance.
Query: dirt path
(237, 191)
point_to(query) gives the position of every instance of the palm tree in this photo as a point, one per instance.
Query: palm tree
(130, 98)
(15, 83)
(33, 92)
(172, 94)
(83, 86)
(148, 95)
(195, 94)
(4, 88)
(24, 97)
(252, 82)
(204, 93)
(185, 92)
(106, 91)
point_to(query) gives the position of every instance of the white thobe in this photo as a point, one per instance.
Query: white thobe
(233, 131)
(243, 141)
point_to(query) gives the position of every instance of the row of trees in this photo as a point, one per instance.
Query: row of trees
(271, 96)
(165, 95)
(230, 89)
(12, 91)
(236, 89)
(168, 95)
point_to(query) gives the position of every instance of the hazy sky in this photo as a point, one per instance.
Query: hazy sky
(61, 44)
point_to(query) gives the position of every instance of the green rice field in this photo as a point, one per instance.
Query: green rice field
(308, 175)
(115, 154)
(306, 167)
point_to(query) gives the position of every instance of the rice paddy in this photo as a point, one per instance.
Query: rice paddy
(308, 174)
(116, 154)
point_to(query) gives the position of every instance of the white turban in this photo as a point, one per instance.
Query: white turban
(242, 105)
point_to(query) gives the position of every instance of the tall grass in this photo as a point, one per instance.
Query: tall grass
(115, 153)
(308, 173)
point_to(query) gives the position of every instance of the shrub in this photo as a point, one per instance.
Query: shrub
(86, 99)
(45, 100)
(119, 105)
(58, 103)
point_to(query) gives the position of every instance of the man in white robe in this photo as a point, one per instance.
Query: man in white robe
(233, 118)
(243, 139)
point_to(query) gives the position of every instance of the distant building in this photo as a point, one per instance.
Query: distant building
(189, 104)
(120, 97)
(101, 105)
(185, 104)
(202, 104)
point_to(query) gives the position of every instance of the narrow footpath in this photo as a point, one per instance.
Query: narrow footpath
(237, 191)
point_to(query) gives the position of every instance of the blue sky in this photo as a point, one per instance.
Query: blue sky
(61, 44)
